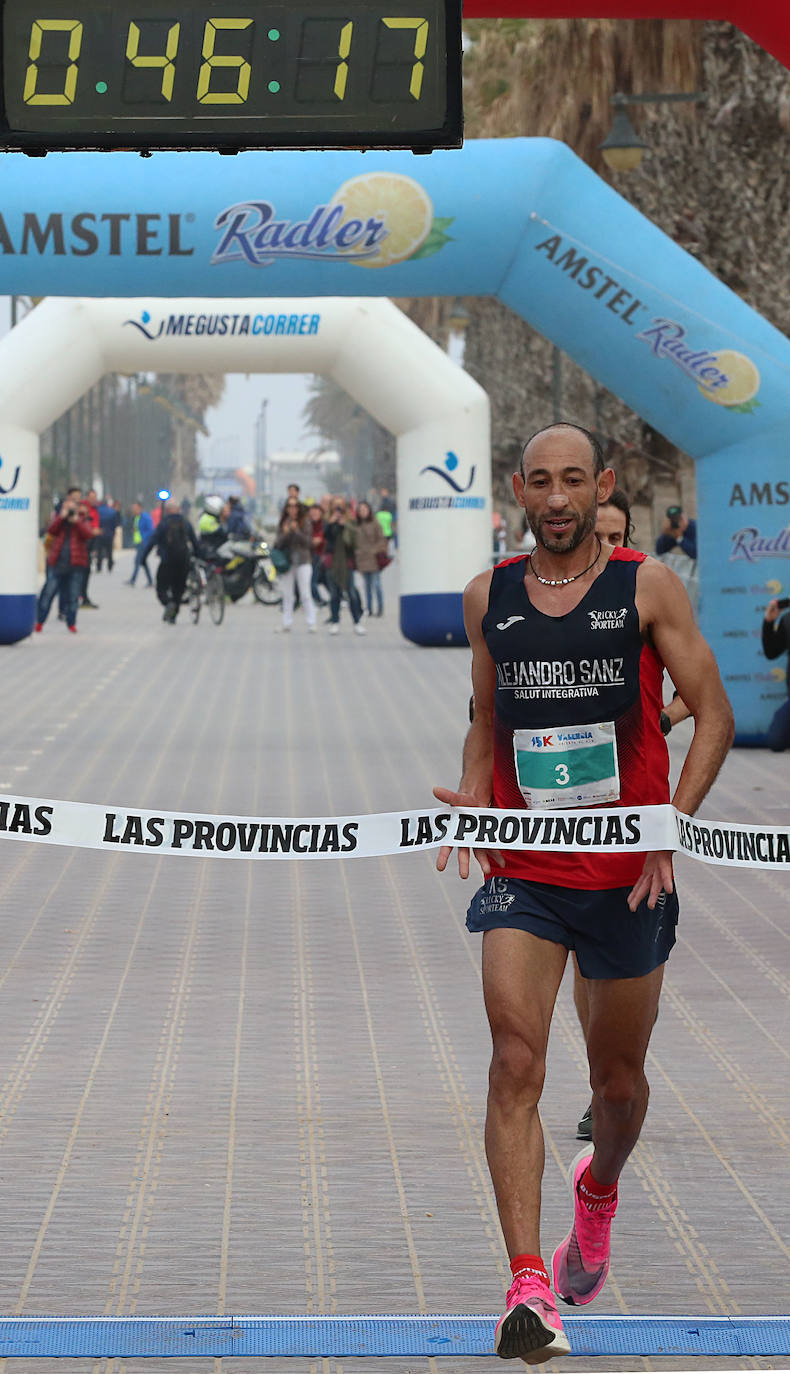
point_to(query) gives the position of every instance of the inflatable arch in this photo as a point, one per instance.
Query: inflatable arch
(439, 415)
(521, 219)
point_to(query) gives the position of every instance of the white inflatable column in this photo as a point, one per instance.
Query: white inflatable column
(441, 419)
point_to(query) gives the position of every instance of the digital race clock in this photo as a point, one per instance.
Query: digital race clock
(149, 74)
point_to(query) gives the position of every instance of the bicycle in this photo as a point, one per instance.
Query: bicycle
(205, 585)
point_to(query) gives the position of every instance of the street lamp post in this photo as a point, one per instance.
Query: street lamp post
(260, 458)
(622, 148)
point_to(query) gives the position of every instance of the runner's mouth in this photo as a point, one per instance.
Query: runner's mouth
(559, 526)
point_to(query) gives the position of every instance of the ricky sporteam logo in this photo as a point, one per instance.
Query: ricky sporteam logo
(608, 620)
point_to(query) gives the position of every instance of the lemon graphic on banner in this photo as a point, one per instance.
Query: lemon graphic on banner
(404, 210)
(743, 382)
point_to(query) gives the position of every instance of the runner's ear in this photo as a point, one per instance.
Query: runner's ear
(607, 481)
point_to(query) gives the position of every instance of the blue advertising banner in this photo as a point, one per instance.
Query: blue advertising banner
(522, 219)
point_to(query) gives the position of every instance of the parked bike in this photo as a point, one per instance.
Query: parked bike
(205, 587)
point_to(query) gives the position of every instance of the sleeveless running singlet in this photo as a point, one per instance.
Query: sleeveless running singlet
(576, 714)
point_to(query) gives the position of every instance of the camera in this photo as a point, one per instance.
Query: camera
(783, 603)
(673, 515)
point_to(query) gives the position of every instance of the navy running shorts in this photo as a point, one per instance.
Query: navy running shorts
(608, 939)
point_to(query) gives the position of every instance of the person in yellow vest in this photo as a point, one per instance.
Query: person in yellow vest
(142, 529)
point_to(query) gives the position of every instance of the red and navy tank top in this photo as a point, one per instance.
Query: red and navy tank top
(575, 670)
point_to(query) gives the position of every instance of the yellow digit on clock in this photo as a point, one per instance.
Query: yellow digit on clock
(421, 28)
(211, 60)
(74, 28)
(166, 62)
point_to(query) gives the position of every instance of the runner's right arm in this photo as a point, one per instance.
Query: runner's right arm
(476, 785)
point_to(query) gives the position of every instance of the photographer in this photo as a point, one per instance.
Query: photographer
(678, 533)
(68, 535)
(776, 641)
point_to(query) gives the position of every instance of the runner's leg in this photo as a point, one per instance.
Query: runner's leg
(622, 1016)
(521, 976)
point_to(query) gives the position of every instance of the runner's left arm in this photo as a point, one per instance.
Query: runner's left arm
(668, 621)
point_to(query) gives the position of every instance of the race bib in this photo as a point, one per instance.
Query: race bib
(567, 765)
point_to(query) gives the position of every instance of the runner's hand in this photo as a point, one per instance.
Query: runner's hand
(484, 857)
(772, 611)
(656, 876)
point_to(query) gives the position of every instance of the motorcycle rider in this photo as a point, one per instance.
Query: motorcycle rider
(211, 531)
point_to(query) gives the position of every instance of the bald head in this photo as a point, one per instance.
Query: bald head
(575, 438)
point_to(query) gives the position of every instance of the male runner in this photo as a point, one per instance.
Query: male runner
(575, 635)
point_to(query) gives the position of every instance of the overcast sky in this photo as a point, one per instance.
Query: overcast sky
(232, 422)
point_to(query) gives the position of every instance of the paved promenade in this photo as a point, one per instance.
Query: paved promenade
(229, 1087)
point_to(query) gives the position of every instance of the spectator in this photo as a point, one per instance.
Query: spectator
(142, 529)
(342, 540)
(69, 534)
(776, 641)
(294, 538)
(387, 507)
(315, 517)
(371, 554)
(92, 504)
(109, 520)
(677, 533)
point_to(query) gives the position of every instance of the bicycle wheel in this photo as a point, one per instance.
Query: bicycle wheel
(264, 584)
(194, 596)
(215, 596)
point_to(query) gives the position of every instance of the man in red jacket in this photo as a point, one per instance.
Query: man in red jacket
(67, 558)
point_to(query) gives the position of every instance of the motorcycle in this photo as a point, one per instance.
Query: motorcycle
(247, 563)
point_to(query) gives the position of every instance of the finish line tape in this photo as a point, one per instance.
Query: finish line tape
(613, 830)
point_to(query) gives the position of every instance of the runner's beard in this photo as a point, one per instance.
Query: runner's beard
(585, 526)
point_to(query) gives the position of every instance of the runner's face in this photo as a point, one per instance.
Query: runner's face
(559, 491)
(610, 525)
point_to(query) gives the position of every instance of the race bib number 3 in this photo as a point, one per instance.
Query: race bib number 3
(568, 765)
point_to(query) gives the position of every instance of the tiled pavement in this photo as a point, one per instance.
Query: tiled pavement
(230, 1087)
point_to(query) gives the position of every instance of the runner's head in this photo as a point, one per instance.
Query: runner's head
(563, 480)
(613, 524)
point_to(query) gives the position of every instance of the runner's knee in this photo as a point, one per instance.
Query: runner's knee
(619, 1082)
(517, 1067)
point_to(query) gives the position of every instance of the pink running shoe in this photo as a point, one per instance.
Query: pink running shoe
(580, 1263)
(530, 1329)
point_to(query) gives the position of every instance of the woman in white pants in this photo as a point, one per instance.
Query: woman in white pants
(294, 537)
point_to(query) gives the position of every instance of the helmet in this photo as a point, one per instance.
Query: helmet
(213, 504)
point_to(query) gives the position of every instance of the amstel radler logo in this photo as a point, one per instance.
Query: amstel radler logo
(376, 220)
(723, 375)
